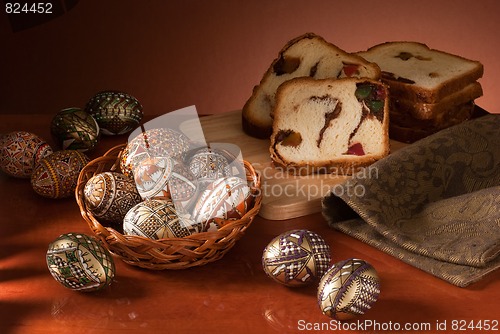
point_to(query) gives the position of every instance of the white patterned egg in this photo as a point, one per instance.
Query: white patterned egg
(210, 164)
(224, 199)
(163, 177)
(161, 142)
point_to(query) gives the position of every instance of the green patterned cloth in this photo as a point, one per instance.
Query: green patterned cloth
(434, 204)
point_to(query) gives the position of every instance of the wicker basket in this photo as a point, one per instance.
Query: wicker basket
(171, 253)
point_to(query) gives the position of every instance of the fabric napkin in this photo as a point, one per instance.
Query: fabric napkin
(434, 204)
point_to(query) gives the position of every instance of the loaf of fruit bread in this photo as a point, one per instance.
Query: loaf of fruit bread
(330, 125)
(417, 73)
(308, 55)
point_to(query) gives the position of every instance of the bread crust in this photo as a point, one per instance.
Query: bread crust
(257, 127)
(428, 111)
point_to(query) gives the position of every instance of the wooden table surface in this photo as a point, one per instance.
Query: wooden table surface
(232, 295)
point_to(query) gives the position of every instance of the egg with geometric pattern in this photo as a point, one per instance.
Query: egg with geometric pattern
(160, 142)
(296, 258)
(56, 175)
(79, 262)
(348, 289)
(116, 112)
(164, 177)
(209, 164)
(224, 199)
(74, 129)
(20, 152)
(158, 219)
(109, 196)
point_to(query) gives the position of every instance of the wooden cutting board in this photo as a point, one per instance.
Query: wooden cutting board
(285, 196)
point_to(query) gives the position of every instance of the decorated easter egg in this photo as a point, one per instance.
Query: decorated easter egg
(348, 289)
(80, 262)
(56, 175)
(209, 164)
(116, 112)
(161, 142)
(74, 129)
(20, 152)
(183, 186)
(158, 219)
(163, 177)
(296, 258)
(224, 199)
(109, 196)
(151, 176)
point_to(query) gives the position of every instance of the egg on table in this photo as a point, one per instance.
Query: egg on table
(74, 129)
(348, 289)
(20, 152)
(56, 175)
(116, 112)
(158, 219)
(109, 196)
(79, 262)
(296, 258)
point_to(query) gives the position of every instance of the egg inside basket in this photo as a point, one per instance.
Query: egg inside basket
(214, 235)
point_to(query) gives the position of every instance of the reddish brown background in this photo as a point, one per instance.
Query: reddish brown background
(171, 54)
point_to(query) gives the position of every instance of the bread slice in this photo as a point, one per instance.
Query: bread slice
(417, 73)
(330, 125)
(440, 110)
(408, 129)
(308, 55)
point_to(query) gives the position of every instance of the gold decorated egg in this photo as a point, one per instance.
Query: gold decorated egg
(56, 175)
(116, 112)
(80, 262)
(225, 198)
(158, 219)
(20, 152)
(74, 129)
(296, 258)
(109, 196)
(161, 142)
(348, 289)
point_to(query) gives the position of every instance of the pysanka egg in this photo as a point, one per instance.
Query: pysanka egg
(209, 164)
(151, 176)
(296, 258)
(116, 112)
(56, 175)
(161, 142)
(20, 152)
(348, 289)
(164, 177)
(74, 129)
(225, 198)
(158, 219)
(109, 196)
(80, 262)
